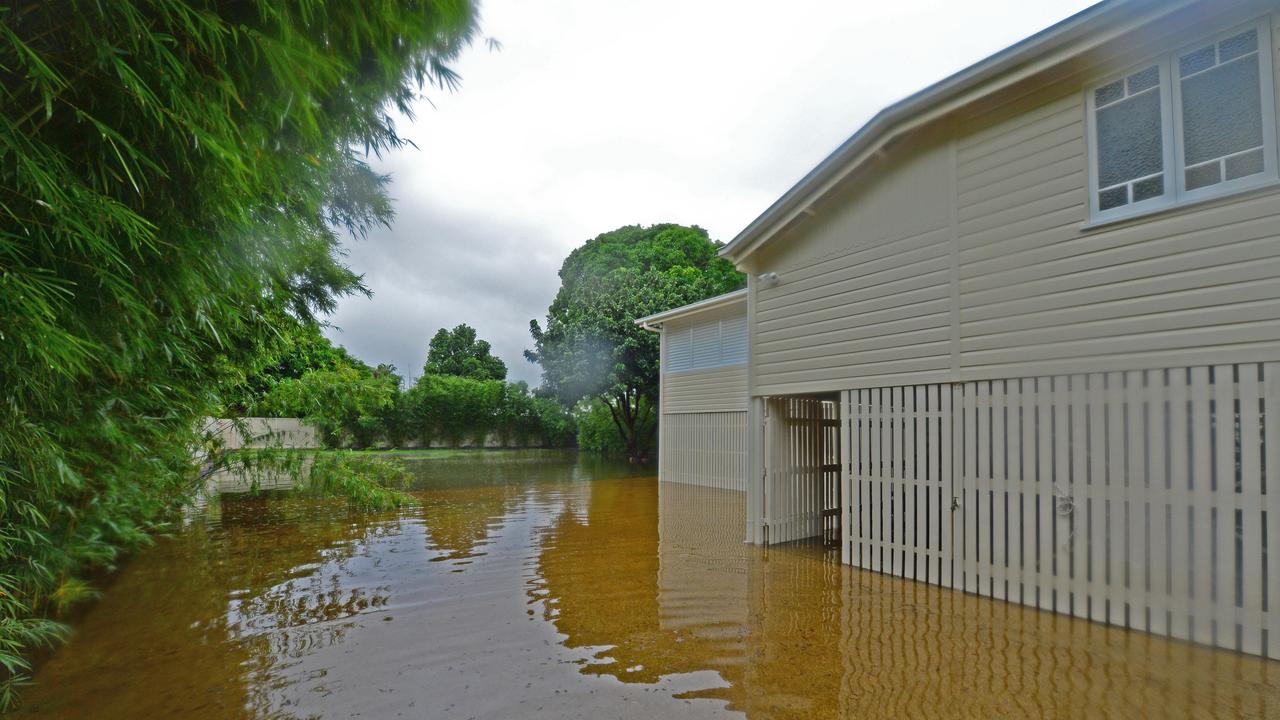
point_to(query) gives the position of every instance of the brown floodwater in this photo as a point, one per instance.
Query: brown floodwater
(537, 584)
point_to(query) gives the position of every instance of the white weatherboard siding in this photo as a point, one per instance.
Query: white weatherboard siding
(967, 255)
(863, 293)
(717, 390)
(1033, 407)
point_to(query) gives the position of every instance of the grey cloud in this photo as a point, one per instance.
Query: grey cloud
(601, 114)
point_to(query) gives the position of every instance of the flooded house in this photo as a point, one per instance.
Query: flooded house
(1019, 335)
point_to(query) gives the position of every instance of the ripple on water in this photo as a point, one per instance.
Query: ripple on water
(537, 585)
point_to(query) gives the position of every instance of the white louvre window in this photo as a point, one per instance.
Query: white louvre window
(733, 342)
(1194, 124)
(679, 350)
(708, 344)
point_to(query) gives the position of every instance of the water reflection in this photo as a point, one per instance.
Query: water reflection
(540, 585)
(791, 633)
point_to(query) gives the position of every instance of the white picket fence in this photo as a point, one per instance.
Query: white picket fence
(1141, 499)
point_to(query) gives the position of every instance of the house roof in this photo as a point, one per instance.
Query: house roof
(1084, 30)
(654, 322)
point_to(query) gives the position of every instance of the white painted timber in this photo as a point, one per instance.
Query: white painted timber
(1066, 500)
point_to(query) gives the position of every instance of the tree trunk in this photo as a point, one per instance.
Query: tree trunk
(626, 412)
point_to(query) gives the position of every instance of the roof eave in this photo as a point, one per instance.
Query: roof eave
(1029, 56)
(654, 322)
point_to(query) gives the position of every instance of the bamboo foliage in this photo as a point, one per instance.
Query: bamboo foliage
(173, 178)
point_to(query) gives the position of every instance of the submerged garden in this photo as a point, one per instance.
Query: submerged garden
(177, 180)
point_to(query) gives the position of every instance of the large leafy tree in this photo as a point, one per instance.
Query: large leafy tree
(591, 346)
(173, 178)
(459, 352)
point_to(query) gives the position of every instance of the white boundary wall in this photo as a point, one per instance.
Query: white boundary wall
(1145, 499)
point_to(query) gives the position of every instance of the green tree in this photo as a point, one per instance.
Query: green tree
(458, 352)
(174, 176)
(591, 346)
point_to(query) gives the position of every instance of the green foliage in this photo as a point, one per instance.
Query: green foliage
(294, 349)
(458, 352)
(347, 405)
(456, 409)
(173, 178)
(369, 483)
(598, 433)
(591, 346)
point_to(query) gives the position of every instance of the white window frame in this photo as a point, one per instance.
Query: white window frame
(1171, 123)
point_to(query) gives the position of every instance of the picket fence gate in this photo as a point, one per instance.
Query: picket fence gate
(1141, 499)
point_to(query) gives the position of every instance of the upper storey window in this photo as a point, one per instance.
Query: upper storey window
(706, 344)
(1193, 124)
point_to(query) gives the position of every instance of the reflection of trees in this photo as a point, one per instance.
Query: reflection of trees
(458, 520)
(469, 494)
(212, 613)
(598, 576)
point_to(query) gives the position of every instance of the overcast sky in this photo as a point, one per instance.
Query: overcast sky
(602, 113)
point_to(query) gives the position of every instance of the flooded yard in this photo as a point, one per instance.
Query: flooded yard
(541, 584)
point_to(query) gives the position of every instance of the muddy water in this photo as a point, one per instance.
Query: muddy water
(534, 585)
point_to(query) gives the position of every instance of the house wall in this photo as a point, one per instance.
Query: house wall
(702, 427)
(1076, 413)
(965, 254)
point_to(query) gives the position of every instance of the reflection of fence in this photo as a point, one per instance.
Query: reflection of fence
(1135, 498)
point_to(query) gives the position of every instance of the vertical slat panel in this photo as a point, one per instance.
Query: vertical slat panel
(865, 479)
(909, 483)
(1201, 506)
(1045, 511)
(999, 492)
(934, 489)
(968, 493)
(1251, 509)
(1030, 576)
(1091, 550)
(1136, 519)
(947, 437)
(1223, 513)
(1157, 489)
(1013, 488)
(877, 477)
(1083, 529)
(895, 482)
(1180, 554)
(846, 475)
(1271, 505)
(1117, 534)
(1063, 521)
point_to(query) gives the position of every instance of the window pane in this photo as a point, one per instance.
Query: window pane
(1242, 44)
(1150, 188)
(1245, 165)
(1194, 62)
(1108, 94)
(1222, 111)
(1113, 198)
(1130, 142)
(1203, 176)
(1144, 80)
